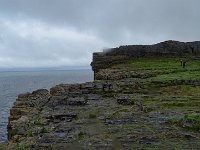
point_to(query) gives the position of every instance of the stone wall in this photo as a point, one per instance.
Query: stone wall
(105, 59)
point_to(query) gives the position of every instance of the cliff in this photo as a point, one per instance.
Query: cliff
(138, 103)
(109, 57)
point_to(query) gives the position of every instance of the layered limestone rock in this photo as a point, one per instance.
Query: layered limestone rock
(131, 106)
(101, 115)
(27, 104)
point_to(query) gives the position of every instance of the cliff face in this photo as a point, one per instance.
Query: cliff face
(25, 103)
(151, 102)
(113, 56)
(139, 107)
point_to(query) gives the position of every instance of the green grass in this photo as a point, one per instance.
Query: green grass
(194, 120)
(189, 121)
(81, 135)
(151, 63)
(29, 133)
(181, 90)
(186, 75)
(163, 68)
(22, 146)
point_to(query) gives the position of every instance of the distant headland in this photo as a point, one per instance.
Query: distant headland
(109, 57)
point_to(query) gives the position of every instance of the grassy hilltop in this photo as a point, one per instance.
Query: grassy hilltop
(144, 103)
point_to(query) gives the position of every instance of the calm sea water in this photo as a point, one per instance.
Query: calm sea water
(14, 83)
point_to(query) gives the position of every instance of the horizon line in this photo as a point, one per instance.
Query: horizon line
(46, 68)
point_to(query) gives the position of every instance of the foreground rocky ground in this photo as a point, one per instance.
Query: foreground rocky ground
(145, 103)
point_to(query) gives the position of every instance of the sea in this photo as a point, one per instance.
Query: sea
(12, 83)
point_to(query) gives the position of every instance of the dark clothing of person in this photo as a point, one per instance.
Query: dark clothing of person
(184, 64)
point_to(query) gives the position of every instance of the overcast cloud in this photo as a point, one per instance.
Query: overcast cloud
(56, 33)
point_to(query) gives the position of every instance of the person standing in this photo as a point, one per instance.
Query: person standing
(181, 62)
(184, 62)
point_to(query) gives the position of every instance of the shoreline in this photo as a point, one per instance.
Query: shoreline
(14, 83)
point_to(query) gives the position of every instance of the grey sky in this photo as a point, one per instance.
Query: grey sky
(54, 33)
